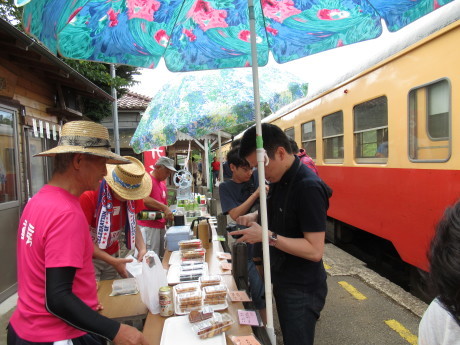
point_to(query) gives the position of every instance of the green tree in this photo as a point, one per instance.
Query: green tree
(96, 72)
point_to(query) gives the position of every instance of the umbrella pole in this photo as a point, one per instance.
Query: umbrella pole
(116, 134)
(261, 171)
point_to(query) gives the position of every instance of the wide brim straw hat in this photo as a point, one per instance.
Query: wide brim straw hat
(130, 181)
(85, 137)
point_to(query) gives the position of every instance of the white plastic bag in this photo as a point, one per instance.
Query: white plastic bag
(152, 278)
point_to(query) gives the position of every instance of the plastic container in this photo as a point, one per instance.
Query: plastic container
(175, 234)
(189, 301)
(186, 287)
(218, 324)
(193, 254)
(210, 280)
(190, 244)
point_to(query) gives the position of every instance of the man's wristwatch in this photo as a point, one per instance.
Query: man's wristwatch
(272, 239)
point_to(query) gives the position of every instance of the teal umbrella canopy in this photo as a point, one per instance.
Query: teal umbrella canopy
(210, 34)
(201, 103)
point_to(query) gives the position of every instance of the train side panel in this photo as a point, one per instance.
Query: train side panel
(400, 200)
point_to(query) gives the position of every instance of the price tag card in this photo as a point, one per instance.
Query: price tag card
(239, 296)
(224, 256)
(226, 266)
(245, 340)
(248, 317)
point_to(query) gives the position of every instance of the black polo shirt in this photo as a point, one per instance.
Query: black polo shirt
(296, 204)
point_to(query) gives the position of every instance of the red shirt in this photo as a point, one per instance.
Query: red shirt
(158, 193)
(88, 202)
(215, 165)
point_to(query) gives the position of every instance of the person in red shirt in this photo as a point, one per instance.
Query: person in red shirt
(215, 169)
(112, 209)
(157, 200)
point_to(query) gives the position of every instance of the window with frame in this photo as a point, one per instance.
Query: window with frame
(370, 122)
(333, 137)
(309, 138)
(290, 133)
(8, 166)
(430, 122)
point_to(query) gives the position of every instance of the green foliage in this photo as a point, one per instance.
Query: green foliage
(264, 112)
(9, 12)
(99, 74)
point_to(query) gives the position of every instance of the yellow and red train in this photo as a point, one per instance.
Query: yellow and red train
(388, 142)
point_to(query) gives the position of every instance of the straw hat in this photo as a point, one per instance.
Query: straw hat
(85, 137)
(130, 181)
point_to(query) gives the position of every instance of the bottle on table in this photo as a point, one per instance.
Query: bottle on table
(150, 215)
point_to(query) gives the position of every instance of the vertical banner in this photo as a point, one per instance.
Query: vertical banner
(151, 157)
(48, 133)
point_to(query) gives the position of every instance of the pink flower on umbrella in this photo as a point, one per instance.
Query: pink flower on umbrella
(206, 16)
(162, 38)
(144, 9)
(189, 33)
(113, 17)
(245, 35)
(274, 32)
(326, 14)
(279, 10)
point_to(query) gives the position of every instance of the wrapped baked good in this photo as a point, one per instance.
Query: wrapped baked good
(186, 287)
(189, 301)
(190, 244)
(193, 254)
(217, 324)
(204, 314)
(215, 294)
(195, 266)
(189, 276)
(210, 280)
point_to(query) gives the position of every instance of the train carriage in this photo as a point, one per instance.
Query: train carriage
(387, 142)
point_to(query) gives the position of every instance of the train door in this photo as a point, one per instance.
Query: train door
(10, 199)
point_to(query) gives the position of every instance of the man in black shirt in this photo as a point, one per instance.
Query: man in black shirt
(297, 204)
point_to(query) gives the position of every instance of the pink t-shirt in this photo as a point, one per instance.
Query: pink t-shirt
(158, 193)
(53, 232)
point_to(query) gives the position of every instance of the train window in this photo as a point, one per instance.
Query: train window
(371, 131)
(290, 133)
(430, 122)
(309, 138)
(333, 138)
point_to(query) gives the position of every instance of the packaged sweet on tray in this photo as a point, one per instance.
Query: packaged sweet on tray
(187, 287)
(217, 324)
(204, 314)
(189, 301)
(193, 254)
(190, 244)
(194, 267)
(210, 280)
(215, 294)
(190, 276)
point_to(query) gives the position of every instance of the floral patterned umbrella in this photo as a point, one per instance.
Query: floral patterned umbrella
(201, 103)
(210, 34)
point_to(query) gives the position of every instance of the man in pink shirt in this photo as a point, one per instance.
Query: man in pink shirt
(154, 230)
(57, 296)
